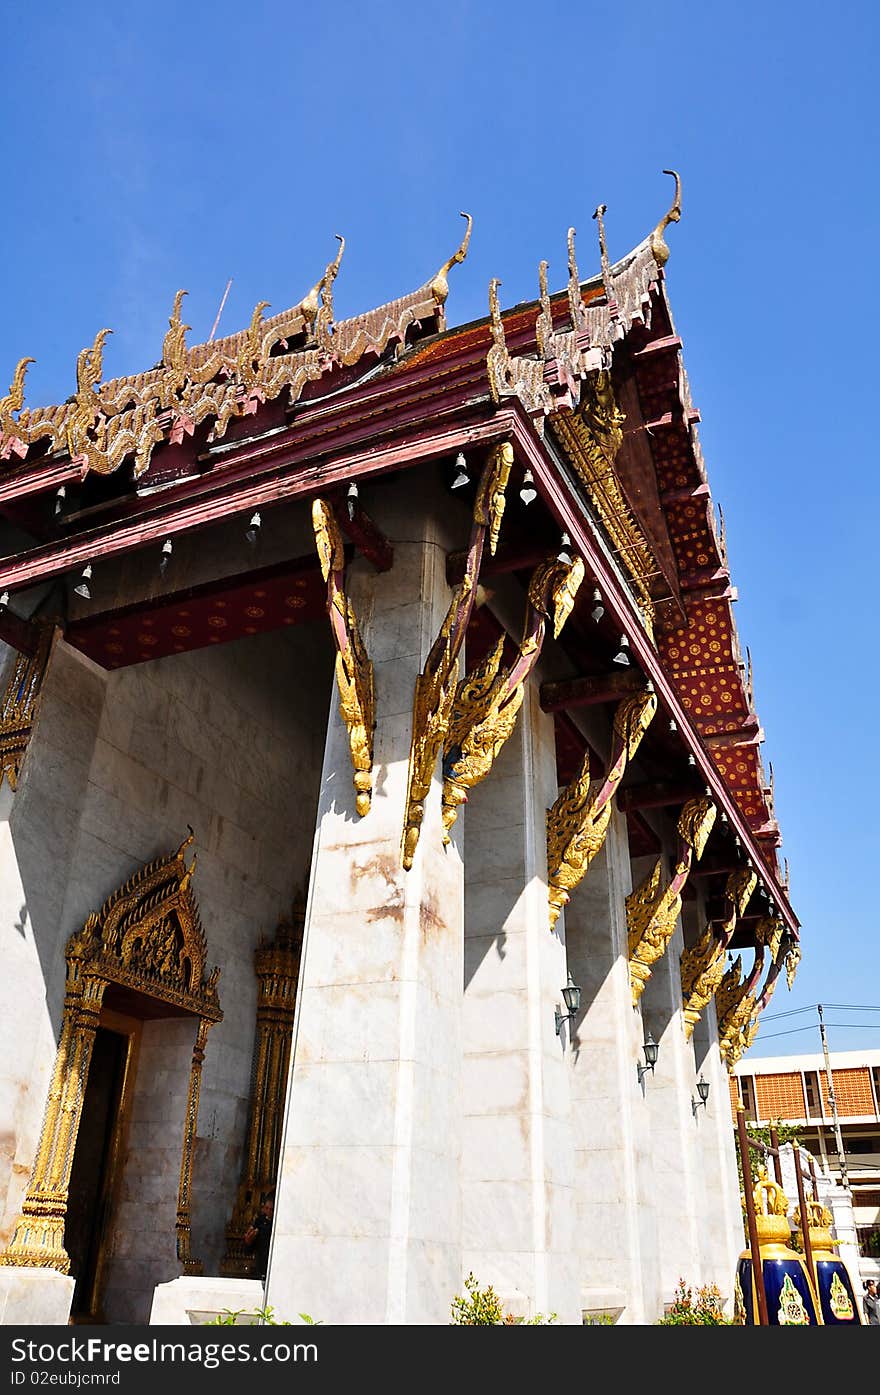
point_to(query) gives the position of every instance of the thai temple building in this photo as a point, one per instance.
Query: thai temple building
(383, 825)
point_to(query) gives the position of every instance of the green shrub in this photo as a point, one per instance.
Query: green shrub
(483, 1308)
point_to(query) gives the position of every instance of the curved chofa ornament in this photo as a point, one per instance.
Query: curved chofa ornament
(578, 821)
(148, 939)
(702, 966)
(653, 909)
(488, 699)
(435, 686)
(791, 1301)
(658, 241)
(440, 284)
(354, 670)
(831, 1279)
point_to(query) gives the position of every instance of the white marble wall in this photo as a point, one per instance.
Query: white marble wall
(721, 1232)
(367, 1218)
(518, 1159)
(39, 830)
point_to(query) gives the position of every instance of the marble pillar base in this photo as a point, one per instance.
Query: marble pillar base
(192, 1300)
(35, 1297)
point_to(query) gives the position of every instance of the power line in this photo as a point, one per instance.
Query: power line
(773, 1017)
(813, 1007)
(843, 1026)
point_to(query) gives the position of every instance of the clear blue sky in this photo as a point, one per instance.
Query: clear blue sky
(181, 145)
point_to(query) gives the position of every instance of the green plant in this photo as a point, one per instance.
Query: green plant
(265, 1316)
(598, 1320)
(483, 1308)
(695, 1308)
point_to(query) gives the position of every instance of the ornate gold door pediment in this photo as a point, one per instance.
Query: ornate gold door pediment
(147, 938)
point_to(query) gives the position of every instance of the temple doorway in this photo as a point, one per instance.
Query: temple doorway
(97, 1157)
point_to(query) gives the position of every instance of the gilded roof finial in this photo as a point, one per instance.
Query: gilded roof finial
(90, 365)
(14, 399)
(440, 284)
(497, 359)
(324, 317)
(575, 300)
(187, 842)
(544, 322)
(658, 241)
(606, 267)
(174, 343)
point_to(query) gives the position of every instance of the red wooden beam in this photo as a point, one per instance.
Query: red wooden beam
(703, 577)
(655, 795)
(18, 633)
(672, 419)
(41, 478)
(750, 735)
(685, 495)
(587, 691)
(290, 479)
(659, 346)
(366, 535)
(506, 559)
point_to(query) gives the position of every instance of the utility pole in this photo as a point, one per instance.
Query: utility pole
(841, 1156)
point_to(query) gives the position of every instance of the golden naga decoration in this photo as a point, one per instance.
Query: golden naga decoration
(487, 700)
(769, 932)
(591, 437)
(658, 241)
(354, 670)
(734, 1007)
(277, 969)
(653, 909)
(578, 821)
(218, 381)
(702, 966)
(147, 937)
(435, 687)
(792, 959)
(745, 1028)
(20, 704)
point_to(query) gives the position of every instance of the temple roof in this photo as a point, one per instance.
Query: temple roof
(647, 484)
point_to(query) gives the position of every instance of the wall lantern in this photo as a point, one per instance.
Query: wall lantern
(703, 1092)
(652, 1051)
(572, 995)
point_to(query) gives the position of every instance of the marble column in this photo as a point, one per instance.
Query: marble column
(676, 1176)
(518, 1164)
(367, 1216)
(721, 1234)
(616, 1197)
